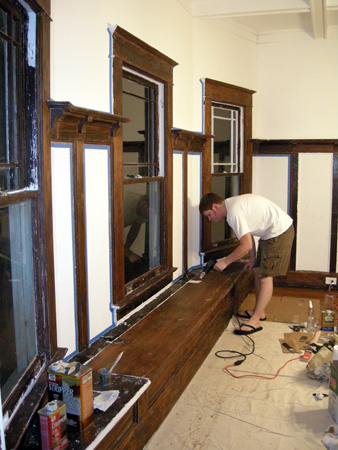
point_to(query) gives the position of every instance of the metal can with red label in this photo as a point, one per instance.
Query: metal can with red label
(53, 426)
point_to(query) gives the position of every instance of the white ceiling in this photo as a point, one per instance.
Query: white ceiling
(262, 18)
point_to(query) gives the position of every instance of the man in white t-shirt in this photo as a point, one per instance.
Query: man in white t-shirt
(252, 215)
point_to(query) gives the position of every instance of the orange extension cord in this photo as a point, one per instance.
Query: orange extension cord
(257, 376)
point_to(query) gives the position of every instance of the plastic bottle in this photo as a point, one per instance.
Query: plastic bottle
(310, 324)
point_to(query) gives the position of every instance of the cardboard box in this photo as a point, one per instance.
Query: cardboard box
(72, 383)
(333, 390)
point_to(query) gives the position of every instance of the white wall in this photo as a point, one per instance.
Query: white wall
(80, 47)
(223, 56)
(297, 93)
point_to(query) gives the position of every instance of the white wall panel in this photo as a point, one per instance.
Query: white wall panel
(63, 247)
(270, 178)
(194, 217)
(314, 212)
(98, 239)
(178, 213)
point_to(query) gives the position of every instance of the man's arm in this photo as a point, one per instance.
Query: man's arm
(131, 236)
(245, 246)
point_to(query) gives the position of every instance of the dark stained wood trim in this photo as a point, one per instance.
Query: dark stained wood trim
(334, 218)
(218, 91)
(304, 279)
(45, 225)
(44, 5)
(190, 141)
(293, 203)
(167, 243)
(136, 53)
(80, 252)
(283, 146)
(72, 122)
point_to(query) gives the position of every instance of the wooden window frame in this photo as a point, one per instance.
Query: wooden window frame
(224, 93)
(131, 53)
(35, 160)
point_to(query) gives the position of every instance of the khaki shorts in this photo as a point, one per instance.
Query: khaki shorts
(273, 255)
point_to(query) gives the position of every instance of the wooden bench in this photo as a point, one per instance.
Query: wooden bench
(162, 351)
(168, 346)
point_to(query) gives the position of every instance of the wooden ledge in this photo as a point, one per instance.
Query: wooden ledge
(163, 351)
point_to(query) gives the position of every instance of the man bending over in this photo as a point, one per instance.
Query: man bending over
(252, 215)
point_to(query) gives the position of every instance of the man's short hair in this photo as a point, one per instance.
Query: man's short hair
(208, 200)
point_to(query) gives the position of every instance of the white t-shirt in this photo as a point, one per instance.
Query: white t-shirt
(130, 202)
(250, 213)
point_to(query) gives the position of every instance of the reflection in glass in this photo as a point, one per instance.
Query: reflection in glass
(225, 187)
(17, 320)
(139, 102)
(141, 203)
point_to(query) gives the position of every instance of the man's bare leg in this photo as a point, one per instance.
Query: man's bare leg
(264, 290)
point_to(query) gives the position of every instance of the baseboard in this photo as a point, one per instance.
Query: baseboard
(305, 279)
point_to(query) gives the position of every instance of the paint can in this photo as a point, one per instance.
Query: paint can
(105, 377)
(53, 426)
(72, 383)
(328, 320)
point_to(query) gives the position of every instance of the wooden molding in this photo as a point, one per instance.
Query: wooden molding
(71, 122)
(189, 140)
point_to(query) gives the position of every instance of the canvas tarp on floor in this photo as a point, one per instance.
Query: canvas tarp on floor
(217, 411)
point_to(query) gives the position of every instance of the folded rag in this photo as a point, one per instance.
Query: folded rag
(104, 399)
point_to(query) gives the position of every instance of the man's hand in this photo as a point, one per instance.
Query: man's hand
(249, 265)
(221, 265)
(132, 257)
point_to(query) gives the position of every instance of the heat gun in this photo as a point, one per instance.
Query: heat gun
(209, 265)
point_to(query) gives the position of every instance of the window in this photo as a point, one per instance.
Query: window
(17, 215)
(226, 163)
(18, 329)
(144, 189)
(140, 135)
(11, 173)
(24, 349)
(226, 144)
(141, 200)
(227, 154)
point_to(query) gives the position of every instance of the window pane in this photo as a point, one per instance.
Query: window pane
(221, 112)
(222, 145)
(10, 178)
(3, 101)
(3, 20)
(225, 128)
(141, 228)
(140, 134)
(225, 187)
(18, 330)
(10, 98)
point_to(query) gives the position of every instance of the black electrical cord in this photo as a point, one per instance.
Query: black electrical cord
(236, 353)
